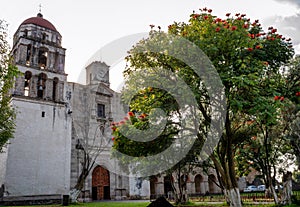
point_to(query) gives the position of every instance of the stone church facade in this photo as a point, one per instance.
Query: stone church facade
(44, 158)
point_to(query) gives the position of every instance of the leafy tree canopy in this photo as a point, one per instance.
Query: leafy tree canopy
(8, 72)
(248, 61)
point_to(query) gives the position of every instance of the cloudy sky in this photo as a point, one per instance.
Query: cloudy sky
(87, 26)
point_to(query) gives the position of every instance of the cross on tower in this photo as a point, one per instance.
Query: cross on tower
(40, 8)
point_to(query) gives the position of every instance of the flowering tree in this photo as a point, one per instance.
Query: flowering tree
(292, 90)
(275, 140)
(268, 150)
(8, 72)
(247, 60)
(292, 117)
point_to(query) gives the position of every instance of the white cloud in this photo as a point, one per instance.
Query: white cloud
(288, 26)
(294, 2)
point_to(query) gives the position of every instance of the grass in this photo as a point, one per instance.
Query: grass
(224, 205)
(99, 204)
(145, 204)
(244, 205)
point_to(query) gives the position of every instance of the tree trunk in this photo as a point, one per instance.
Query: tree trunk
(177, 190)
(87, 165)
(233, 197)
(74, 193)
(224, 163)
(227, 196)
(271, 186)
(273, 191)
(286, 198)
(268, 167)
(231, 191)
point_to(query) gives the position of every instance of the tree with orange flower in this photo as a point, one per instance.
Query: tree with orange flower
(248, 61)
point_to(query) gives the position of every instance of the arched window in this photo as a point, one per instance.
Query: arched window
(27, 78)
(25, 34)
(42, 58)
(211, 183)
(28, 55)
(54, 92)
(56, 61)
(44, 36)
(41, 84)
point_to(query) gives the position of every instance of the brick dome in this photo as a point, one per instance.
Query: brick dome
(40, 21)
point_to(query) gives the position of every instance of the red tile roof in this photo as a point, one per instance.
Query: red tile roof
(40, 21)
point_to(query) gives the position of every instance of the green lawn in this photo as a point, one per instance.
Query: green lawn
(100, 204)
(113, 204)
(145, 204)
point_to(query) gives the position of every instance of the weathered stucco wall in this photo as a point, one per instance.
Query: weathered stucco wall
(39, 156)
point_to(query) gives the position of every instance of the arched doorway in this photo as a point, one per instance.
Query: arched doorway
(153, 182)
(168, 189)
(211, 183)
(198, 184)
(100, 184)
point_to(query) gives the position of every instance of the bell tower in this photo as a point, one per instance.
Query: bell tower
(39, 55)
(38, 155)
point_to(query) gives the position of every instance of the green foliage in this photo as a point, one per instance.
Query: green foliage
(241, 52)
(269, 149)
(248, 61)
(292, 112)
(292, 79)
(8, 72)
(124, 130)
(296, 176)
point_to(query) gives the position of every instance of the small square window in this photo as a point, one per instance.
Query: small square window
(43, 114)
(101, 110)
